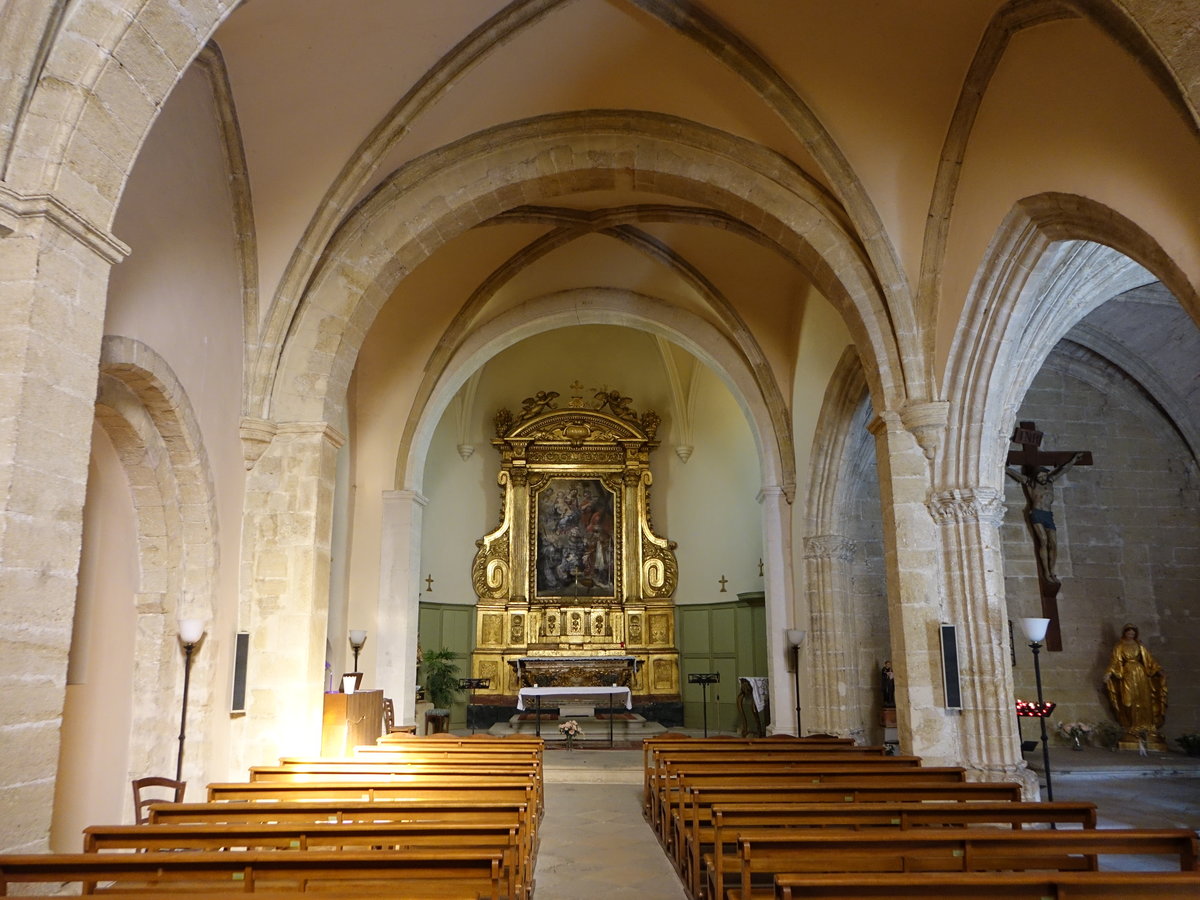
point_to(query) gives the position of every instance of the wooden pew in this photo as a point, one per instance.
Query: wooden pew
(310, 836)
(497, 813)
(660, 760)
(728, 819)
(765, 853)
(489, 812)
(721, 743)
(699, 800)
(990, 886)
(669, 794)
(474, 789)
(417, 873)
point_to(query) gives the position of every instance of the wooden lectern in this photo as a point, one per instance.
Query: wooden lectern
(351, 720)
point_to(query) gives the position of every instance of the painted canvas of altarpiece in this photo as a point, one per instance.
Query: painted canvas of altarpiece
(575, 570)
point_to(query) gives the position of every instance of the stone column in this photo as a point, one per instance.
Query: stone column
(969, 522)
(399, 593)
(286, 559)
(912, 558)
(53, 284)
(827, 560)
(779, 609)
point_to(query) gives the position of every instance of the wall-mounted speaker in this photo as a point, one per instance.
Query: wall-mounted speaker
(241, 651)
(950, 684)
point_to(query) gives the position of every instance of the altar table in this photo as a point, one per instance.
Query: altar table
(574, 693)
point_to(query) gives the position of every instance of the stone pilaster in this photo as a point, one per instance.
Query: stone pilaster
(399, 593)
(777, 584)
(827, 560)
(973, 568)
(912, 558)
(53, 282)
(286, 560)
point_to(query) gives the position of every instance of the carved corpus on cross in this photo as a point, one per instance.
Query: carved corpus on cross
(1039, 470)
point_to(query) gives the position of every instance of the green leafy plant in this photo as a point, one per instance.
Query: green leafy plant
(1190, 742)
(1106, 735)
(441, 679)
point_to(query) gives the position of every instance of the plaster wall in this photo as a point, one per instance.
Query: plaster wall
(1039, 129)
(180, 293)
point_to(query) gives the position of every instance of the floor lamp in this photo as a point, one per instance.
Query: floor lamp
(358, 637)
(1035, 631)
(190, 633)
(795, 637)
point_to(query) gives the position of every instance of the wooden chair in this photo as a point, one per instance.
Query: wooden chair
(141, 804)
(389, 720)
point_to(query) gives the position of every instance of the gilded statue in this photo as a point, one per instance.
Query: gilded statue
(1137, 689)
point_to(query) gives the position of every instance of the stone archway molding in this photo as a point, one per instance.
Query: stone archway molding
(146, 414)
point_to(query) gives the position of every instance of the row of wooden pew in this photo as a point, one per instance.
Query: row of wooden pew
(819, 817)
(438, 817)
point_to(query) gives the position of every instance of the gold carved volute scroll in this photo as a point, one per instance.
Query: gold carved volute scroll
(574, 568)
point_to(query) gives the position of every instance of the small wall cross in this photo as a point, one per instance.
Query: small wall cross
(429, 583)
(723, 581)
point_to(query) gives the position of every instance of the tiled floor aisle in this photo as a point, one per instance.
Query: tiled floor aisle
(595, 844)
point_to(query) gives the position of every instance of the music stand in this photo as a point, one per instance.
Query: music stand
(470, 684)
(704, 679)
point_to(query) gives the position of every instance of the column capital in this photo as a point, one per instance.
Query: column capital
(979, 504)
(15, 207)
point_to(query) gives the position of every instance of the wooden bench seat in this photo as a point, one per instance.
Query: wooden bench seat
(765, 853)
(490, 812)
(497, 813)
(713, 848)
(669, 796)
(309, 836)
(700, 799)
(654, 755)
(392, 873)
(990, 886)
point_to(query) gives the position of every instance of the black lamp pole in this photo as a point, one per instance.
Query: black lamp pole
(1036, 647)
(795, 637)
(190, 633)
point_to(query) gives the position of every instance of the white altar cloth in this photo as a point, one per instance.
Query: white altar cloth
(574, 693)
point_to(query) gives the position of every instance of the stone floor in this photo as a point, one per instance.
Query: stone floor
(595, 842)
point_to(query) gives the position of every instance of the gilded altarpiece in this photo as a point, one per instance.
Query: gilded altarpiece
(574, 569)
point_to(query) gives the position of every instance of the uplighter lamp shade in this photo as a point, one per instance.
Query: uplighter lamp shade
(1035, 629)
(358, 637)
(795, 636)
(191, 630)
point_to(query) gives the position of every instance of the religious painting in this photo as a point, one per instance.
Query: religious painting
(575, 539)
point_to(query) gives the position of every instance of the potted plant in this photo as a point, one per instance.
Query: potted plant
(1190, 742)
(441, 685)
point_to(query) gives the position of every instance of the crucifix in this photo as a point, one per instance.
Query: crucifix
(429, 584)
(723, 581)
(1039, 469)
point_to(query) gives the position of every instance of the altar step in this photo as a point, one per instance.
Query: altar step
(628, 730)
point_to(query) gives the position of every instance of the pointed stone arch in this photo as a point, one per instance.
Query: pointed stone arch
(146, 414)
(436, 198)
(1016, 313)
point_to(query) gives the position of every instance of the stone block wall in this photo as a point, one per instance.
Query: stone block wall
(1129, 541)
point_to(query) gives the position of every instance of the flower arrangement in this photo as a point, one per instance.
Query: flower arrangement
(1076, 731)
(570, 728)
